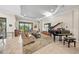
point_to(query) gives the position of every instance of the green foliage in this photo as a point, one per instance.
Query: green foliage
(25, 28)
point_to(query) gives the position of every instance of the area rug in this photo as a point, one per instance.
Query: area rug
(39, 43)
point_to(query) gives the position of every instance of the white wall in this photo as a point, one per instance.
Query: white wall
(9, 12)
(52, 20)
(10, 20)
(75, 23)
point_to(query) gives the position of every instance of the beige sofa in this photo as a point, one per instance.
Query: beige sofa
(27, 38)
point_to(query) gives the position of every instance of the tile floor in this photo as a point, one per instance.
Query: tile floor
(14, 46)
(58, 48)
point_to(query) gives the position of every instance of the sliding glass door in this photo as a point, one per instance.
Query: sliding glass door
(3, 27)
(25, 26)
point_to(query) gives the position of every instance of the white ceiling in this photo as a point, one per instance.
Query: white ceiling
(37, 11)
(10, 9)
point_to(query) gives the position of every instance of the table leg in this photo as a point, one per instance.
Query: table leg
(54, 38)
(64, 42)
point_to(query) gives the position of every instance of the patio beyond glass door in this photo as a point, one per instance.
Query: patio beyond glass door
(25, 26)
(21, 27)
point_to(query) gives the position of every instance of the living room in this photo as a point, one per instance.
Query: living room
(30, 27)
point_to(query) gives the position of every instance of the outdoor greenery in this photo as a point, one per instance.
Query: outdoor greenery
(25, 27)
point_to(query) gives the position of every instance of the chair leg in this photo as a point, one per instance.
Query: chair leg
(68, 44)
(54, 39)
(74, 43)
